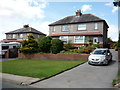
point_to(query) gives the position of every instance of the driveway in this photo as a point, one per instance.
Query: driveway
(84, 76)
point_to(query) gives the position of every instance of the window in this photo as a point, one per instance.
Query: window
(38, 36)
(96, 26)
(21, 35)
(82, 27)
(64, 38)
(53, 30)
(79, 39)
(27, 34)
(9, 36)
(14, 35)
(65, 28)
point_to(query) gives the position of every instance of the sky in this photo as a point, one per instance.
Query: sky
(40, 13)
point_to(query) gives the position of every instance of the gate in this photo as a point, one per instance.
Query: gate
(13, 53)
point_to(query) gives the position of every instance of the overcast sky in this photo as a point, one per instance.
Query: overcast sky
(39, 13)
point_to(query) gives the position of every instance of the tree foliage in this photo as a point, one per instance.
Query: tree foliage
(45, 44)
(57, 46)
(29, 46)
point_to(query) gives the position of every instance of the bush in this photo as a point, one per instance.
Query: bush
(45, 44)
(69, 46)
(57, 46)
(29, 46)
(81, 51)
(96, 45)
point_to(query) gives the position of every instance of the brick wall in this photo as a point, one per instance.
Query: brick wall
(59, 56)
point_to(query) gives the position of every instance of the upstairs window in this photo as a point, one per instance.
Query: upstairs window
(65, 28)
(14, 35)
(96, 26)
(64, 38)
(82, 27)
(54, 28)
(21, 35)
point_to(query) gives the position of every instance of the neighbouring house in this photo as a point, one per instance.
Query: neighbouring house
(79, 29)
(21, 34)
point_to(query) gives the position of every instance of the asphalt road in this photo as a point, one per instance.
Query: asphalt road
(84, 76)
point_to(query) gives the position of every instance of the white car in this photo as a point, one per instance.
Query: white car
(100, 56)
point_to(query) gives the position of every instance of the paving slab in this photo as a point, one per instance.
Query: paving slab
(21, 80)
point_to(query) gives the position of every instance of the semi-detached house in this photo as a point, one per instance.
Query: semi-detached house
(79, 29)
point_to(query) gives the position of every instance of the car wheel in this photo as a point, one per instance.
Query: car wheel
(106, 62)
(111, 59)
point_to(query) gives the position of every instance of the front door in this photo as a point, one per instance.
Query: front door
(95, 40)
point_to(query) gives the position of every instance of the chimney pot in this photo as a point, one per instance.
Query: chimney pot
(26, 26)
(78, 13)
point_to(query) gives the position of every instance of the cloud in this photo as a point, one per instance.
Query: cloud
(110, 4)
(15, 13)
(114, 9)
(113, 32)
(86, 8)
(22, 8)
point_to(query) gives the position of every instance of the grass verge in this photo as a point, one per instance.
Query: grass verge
(116, 81)
(38, 68)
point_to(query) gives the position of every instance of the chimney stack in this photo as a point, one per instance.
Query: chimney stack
(26, 26)
(78, 13)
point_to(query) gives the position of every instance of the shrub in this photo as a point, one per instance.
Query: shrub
(96, 45)
(57, 46)
(81, 51)
(90, 41)
(29, 46)
(69, 46)
(45, 44)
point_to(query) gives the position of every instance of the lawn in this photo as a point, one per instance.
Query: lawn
(37, 68)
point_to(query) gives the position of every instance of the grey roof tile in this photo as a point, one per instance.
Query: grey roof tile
(77, 19)
(25, 30)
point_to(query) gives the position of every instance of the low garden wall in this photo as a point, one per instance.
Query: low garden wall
(59, 56)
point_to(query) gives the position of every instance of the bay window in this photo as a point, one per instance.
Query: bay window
(79, 39)
(64, 38)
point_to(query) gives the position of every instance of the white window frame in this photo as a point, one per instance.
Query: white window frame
(82, 40)
(65, 28)
(96, 26)
(65, 37)
(82, 26)
(14, 36)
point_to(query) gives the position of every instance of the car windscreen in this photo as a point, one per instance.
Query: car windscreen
(99, 52)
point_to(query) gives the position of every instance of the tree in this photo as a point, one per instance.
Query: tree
(57, 46)
(45, 44)
(109, 40)
(29, 46)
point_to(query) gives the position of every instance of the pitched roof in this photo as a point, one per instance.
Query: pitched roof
(25, 30)
(84, 18)
(72, 34)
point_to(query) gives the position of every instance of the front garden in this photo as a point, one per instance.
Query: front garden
(38, 68)
(49, 45)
